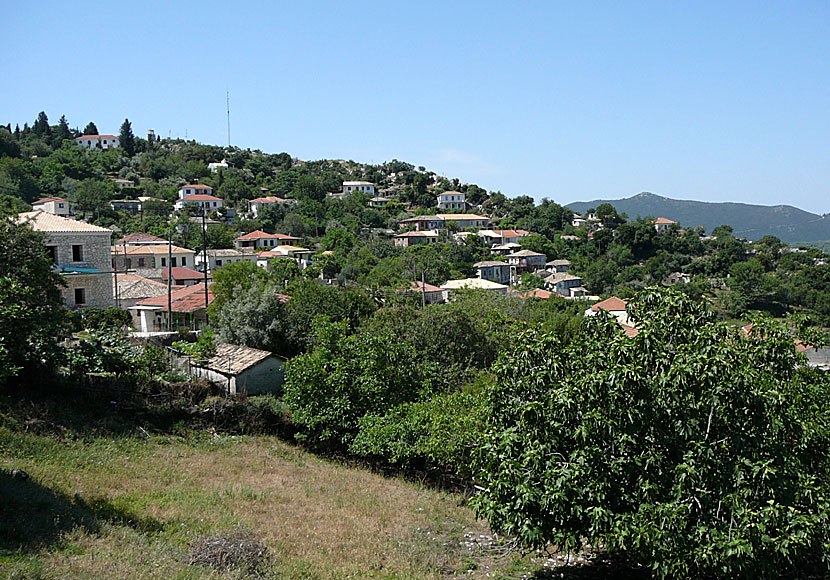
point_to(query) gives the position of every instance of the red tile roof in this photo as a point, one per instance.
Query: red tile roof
(268, 199)
(47, 200)
(538, 293)
(97, 137)
(630, 330)
(189, 299)
(662, 220)
(610, 304)
(182, 273)
(140, 237)
(423, 287)
(196, 186)
(260, 235)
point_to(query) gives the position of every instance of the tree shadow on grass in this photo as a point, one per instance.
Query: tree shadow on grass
(33, 516)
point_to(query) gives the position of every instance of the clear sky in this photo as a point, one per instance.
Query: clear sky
(714, 101)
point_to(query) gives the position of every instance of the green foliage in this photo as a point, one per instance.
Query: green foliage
(345, 378)
(255, 317)
(687, 448)
(204, 347)
(109, 352)
(126, 139)
(31, 313)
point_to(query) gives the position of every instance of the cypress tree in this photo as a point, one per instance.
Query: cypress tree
(127, 139)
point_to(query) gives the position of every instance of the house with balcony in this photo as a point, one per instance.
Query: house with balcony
(81, 253)
(525, 262)
(201, 201)
(443, 220)
(502, 237)
(452, 200)
(127, 205)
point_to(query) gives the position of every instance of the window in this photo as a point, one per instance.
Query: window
(218, 263)
(163, 262)
(77, 253)
(173, 262)
(141, 262)
(60, 205)
(129, 263)
(52, 252)
(80, 296)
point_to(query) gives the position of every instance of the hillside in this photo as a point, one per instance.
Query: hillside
(788, 223)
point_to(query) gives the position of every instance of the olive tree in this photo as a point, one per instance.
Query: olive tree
(689, 448)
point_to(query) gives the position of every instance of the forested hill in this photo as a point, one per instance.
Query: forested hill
(786, 222)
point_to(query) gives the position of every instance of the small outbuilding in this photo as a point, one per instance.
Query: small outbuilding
(242, 369)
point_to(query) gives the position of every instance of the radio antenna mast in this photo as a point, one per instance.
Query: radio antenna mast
(228, 103)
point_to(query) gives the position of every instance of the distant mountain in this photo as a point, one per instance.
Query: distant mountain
(753, 222)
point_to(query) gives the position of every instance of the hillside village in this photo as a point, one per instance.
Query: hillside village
(422, 325)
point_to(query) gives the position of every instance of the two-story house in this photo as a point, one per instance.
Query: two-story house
(81, 253)
(149, 260)
(452, 200)
(442, 220)
(194, 189)
(565, 284)
(407, 239)
(255, 206)
(493, 271)
(662, 224)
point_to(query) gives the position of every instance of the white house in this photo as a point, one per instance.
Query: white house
(359, 186)
(128, 205)
(194, 189)
(662, 224)
(80, 252)
(99, 141)
(219, 258)
(256, 205)
(501, 237)
(53, 205)
(301, 255)
(216, 167)
(565, 284)
(259, 239)
(202, 201)
(452, 200)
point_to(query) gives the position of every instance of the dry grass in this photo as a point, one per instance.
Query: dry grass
(318, 519)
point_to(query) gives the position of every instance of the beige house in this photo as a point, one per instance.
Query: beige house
(259, 239)
(80, 252)
(149, 259)
(53, 205)
(452, 200)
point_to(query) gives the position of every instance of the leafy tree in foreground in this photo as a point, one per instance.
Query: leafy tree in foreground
(30, 306)
(688, 448)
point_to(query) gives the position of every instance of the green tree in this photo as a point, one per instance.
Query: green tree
(126, 139)
(30, 305)
(90, 129)
(687, 448)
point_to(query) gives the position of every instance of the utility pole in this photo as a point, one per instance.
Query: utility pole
(170, 280)
(423, 291)
(205, 258)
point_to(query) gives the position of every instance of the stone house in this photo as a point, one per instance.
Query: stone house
(80, 252)
(150, 259)
(241, 369)
(493, 271)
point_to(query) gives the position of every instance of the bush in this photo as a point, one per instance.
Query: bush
(688, 448)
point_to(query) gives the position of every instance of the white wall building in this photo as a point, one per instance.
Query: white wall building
(359, 186)
(452, 200)
(97, 141)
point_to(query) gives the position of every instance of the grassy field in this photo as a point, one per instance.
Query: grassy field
(131, 507)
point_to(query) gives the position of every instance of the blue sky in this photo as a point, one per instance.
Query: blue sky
(572, 101)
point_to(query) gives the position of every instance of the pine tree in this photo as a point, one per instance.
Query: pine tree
(91, 129)
(60, 133)
(41, 125)
(127, 139)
